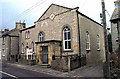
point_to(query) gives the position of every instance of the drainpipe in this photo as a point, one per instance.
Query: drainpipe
(79, 34)
(118, 27)
(79, 38)
(10, 50)
(60, 49)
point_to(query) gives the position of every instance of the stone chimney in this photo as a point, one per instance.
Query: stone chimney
(20, 25)
(6, 30)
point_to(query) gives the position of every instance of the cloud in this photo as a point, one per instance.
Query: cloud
(2, 1)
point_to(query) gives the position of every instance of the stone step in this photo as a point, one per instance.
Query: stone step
(45, 65)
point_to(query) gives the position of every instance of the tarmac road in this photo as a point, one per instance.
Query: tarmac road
(13, 72)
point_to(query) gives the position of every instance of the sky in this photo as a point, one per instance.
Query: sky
(12, 11)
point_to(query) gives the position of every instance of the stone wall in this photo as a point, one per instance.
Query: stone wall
(114, 33)
(67, 63)
(93, 55)
(53, 49)
(60, 64)
(53, 29)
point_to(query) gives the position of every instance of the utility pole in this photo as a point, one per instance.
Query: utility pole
(106, 40)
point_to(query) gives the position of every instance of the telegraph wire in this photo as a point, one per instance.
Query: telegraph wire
(26, 12)
(31, 8)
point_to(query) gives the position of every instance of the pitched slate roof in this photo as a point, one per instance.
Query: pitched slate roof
(27, 28)
(9, 32)
(116, 14)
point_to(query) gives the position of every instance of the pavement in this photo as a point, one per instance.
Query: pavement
(86, 71)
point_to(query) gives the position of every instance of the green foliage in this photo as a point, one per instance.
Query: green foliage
(115, 65)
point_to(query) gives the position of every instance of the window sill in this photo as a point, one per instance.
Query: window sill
(22, 53)
(67, 50)
(27, 38)
(88, 50)
(98, 49)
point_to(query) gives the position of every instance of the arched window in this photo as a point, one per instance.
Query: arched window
(22, 48)
(32, 45)
(41, 36)
(28, 34)
(98, 42)
(87, 41)
(67, 38)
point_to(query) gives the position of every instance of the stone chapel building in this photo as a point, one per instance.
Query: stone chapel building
(63, 31)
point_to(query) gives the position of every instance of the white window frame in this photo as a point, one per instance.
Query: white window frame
(98, 42)
(27, 34)
(67, 39)
(87, 41)
(41, 36)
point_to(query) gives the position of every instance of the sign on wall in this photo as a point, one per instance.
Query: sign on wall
(29, 52)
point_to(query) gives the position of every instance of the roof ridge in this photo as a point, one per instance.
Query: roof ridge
(55, 5)
(61, 6)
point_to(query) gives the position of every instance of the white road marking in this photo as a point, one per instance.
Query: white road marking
(8, 74)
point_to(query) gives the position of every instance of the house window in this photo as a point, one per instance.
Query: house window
(3, 54)
(67, 38)
(22, 48)
(27, 34)
(32, 46)
(41, 36)
(3, 40)
(87, 41)
(98, 42)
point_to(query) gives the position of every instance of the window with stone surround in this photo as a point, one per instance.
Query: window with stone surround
(32, 46)
(41, 36)
(27, 34)
(22, 48)
(87, 41)
(67, 38)
(3, 50)
(98, 42)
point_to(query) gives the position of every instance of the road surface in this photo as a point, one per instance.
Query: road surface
(13, 72)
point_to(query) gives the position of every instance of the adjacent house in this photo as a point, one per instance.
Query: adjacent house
(1, 44)
(2, 54)
(62, 32)
(115, 27)
(10, 43)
